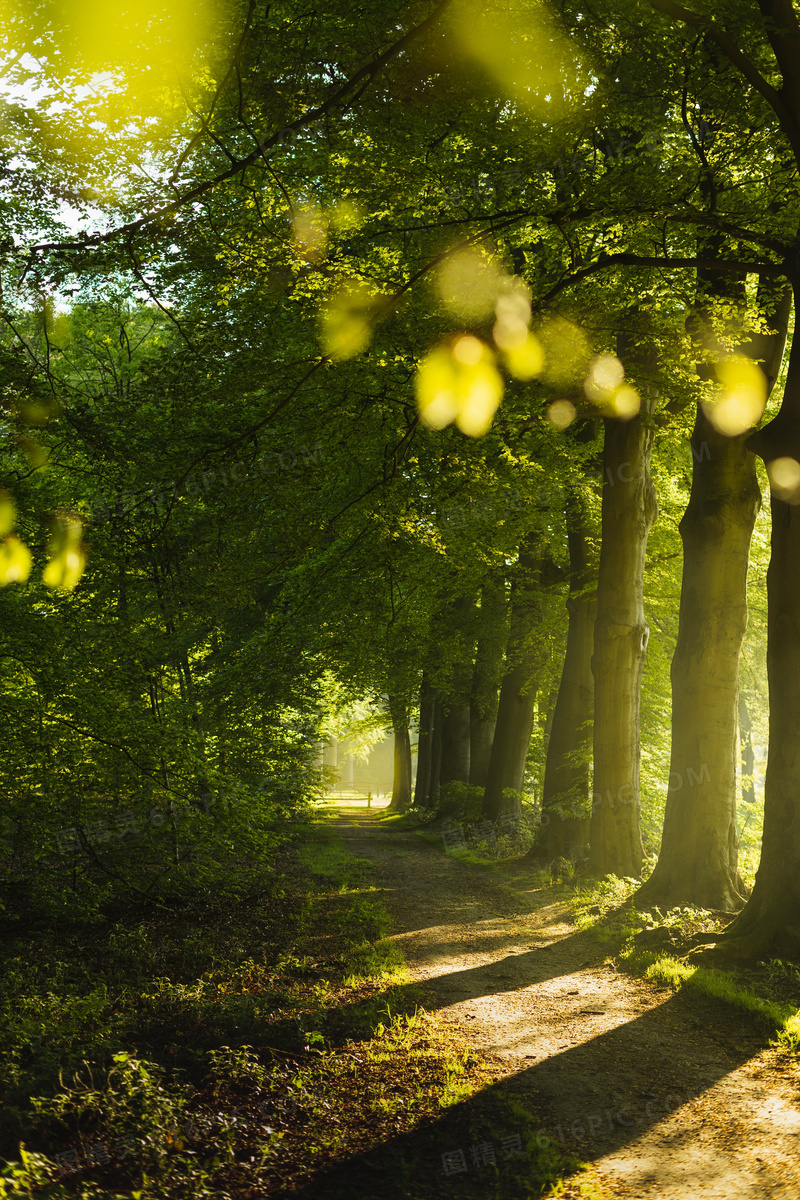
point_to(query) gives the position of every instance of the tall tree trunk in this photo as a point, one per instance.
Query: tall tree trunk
(747, 753)
(566, 793)
(771, 918)
(454, 766)
(481, 736)
(486, 678)
(620, 641)
(436, 753)
(422, 788)
(698, 862)
(525, 658)
(401, 780)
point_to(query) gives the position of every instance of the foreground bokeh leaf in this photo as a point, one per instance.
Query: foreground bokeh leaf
(605, 386)
(15, 561)
(742, 398)
(8, 512)
(65, 569)
(561, 413)
(469, 282)
(347, 319)
(520, 46)
(606, 374)
(526, 361)
(66, 555)
(460, 383)
(626, 402)
(784, 479)
(567, 351)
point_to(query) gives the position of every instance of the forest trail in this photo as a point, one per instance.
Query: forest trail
(666, 1095)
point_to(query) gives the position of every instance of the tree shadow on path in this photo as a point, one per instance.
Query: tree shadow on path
(585, 1102)
(633, 1094)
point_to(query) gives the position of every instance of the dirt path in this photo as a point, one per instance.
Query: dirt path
(667, 1096)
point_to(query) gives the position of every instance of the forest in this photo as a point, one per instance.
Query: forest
(415, 384)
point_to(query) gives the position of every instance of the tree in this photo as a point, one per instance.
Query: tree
(401, 784)
(526, 655)
(427, 709)
(620, 639)
(566, 794)
(486, 677)
(698, 859)
(769, 917)
(748, 758)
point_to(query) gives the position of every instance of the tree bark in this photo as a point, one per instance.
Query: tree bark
(436, 753)
(401, 780)
(455, 744)
(771, 917)
(525, 658)
(455, 734)
(698, 859)
(698, 862)
(748, 757)
(620, 641)
(422, 788)
(481, 736)
(486, 679)
(566, 792)
(770, 921)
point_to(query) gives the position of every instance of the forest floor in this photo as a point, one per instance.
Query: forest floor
(498, 1045)
(662, 1094)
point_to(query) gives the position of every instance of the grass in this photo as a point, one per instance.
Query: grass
(433, 839)
(773, 1015)
(767, 992)
(658, 944)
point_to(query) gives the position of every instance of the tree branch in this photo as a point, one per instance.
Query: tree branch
(746, 235)
(728, 47)
(732, 52)
(205, 122)
(364, 77)
(783, 30)
(643, 260)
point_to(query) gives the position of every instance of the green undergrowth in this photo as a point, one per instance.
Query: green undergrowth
(784, 1019)
(496, 853)
(234, 1050)
(660, 945)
